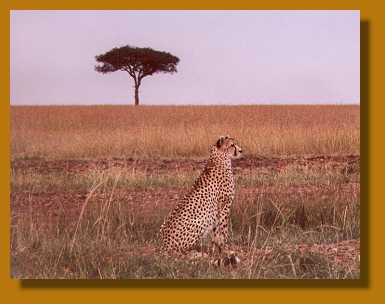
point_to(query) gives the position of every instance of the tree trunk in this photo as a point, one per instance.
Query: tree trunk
(136, 95)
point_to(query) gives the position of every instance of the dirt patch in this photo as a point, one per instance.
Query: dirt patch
(158, 165)
(70, 203)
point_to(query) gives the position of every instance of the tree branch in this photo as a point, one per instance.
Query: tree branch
(129, 71)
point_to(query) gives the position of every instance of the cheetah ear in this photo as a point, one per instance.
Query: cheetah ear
(220, 141)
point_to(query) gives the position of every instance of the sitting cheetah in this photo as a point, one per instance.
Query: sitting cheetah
(205, 209)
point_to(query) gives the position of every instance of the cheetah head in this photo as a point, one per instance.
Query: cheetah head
(227, 144)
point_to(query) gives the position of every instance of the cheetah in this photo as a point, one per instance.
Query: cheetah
(205, 210)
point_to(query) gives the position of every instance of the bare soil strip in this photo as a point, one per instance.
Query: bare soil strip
(79, 165)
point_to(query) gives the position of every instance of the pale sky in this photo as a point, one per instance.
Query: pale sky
(226, 57)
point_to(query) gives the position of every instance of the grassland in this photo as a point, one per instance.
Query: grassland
(91, 186)
(175, 132)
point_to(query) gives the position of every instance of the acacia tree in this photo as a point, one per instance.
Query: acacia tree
(137, 62)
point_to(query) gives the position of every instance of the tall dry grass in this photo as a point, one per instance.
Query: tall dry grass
(104, 234)
(102, 221)
(187, 131)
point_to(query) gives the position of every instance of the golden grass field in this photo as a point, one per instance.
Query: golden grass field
(174, 132)
(90, 186)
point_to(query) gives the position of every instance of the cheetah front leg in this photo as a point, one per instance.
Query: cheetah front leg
(221, 231)
(221, 241)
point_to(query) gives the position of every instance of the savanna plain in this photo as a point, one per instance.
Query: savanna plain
(91, 185)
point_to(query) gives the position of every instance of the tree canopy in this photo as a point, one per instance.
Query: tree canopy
(137, 62)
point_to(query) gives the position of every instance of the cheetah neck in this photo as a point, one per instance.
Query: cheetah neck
(220, 160)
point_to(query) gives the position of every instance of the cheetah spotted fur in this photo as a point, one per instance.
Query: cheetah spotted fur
(205, 210)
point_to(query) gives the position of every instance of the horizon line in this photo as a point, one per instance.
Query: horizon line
(189, 105)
